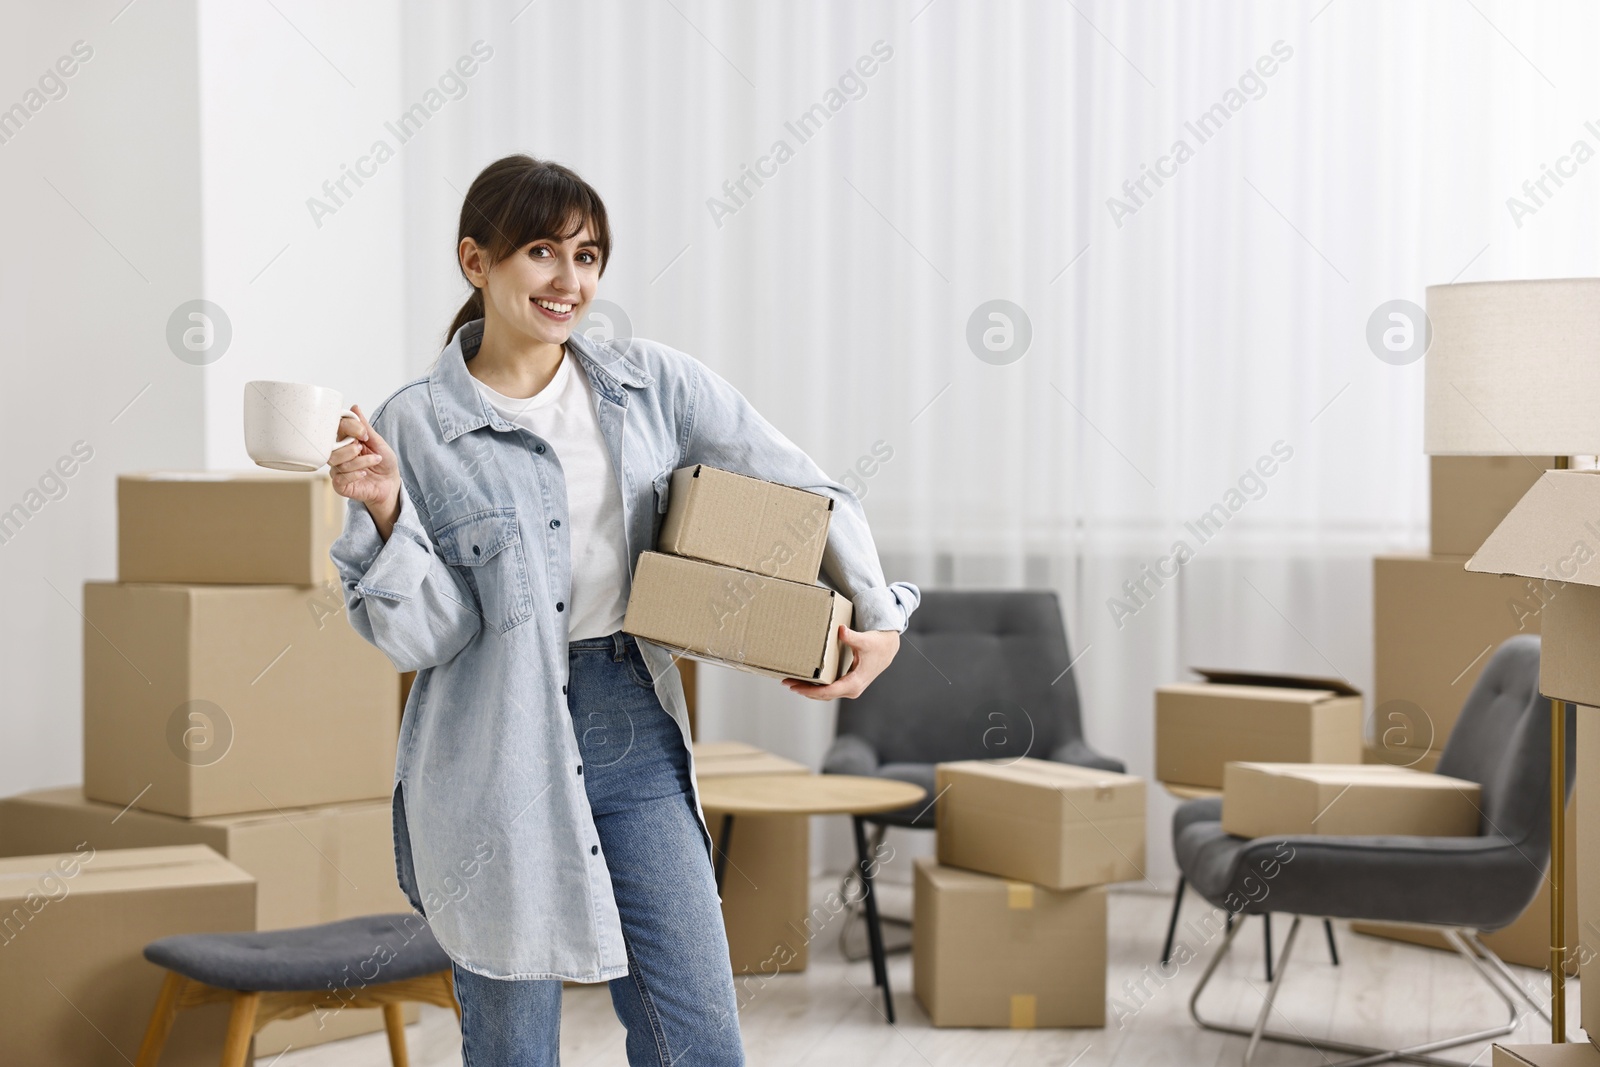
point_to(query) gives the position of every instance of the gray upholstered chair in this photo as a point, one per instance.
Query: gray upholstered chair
(1459, 885)
(980, 675)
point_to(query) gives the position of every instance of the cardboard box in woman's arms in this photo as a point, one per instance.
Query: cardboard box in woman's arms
(739, 618)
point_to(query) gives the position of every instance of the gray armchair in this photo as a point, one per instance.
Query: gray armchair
(1461, 885)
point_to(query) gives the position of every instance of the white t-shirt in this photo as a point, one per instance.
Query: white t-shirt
(562, 413)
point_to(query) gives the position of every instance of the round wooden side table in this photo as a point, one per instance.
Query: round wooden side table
(815, 794)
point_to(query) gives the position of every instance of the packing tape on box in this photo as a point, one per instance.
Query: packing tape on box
(1019, 895)
(1024, 1009)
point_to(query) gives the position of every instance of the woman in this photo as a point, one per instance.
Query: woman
(546, 821)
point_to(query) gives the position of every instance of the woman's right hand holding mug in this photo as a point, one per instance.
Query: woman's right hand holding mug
(367, 470)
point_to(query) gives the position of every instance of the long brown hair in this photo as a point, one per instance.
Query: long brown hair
(518, 200)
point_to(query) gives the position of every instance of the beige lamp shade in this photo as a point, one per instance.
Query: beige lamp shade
(1513, 368)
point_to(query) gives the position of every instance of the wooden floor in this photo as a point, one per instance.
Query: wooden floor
(828, 1016)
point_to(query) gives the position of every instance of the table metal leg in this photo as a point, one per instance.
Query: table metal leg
(722, 850)
(880, 966)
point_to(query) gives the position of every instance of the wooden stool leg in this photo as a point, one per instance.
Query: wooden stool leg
(155, 1035)
(394, 1021)
(241, 1028)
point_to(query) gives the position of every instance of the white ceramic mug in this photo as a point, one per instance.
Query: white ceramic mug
(292, 427)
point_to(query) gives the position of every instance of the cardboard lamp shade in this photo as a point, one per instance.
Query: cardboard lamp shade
(1513, 368)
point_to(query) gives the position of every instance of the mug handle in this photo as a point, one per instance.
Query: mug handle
(346, 414)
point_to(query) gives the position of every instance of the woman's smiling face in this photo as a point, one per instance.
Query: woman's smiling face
(543, 288)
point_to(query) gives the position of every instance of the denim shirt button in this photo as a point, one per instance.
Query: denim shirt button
(580, 768)
(594, 850)
(563, 690)
(560, 606)
(555, 524)
(539, 449)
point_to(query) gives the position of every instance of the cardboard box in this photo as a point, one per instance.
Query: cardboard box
(766, 899)
(990, 952)
(1526, 942)
(253, 527)
(73, 977)
(1241, 715)
(1572, 1054)
(311, 865)
(1471, 494)
(1032, 820)
(1435, 626)
(216, 699)
(1551, 538)
(739, 619)
(722, 517)
(1265, 799)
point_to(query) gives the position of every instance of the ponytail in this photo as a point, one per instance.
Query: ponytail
(472, 309)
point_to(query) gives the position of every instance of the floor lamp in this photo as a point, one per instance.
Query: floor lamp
(1513, 369)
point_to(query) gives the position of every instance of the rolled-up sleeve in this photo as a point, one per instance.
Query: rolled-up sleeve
(723, 429)
(399, 594)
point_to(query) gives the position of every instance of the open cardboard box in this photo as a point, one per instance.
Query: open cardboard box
(1253, 716)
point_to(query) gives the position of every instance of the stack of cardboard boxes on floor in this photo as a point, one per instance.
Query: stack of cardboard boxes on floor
(229, 707)
(1435, 625)
(1009, 923)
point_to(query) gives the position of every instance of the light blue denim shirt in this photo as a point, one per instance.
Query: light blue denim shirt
(493, 833)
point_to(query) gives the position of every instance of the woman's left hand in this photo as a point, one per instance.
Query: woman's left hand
(874, 650)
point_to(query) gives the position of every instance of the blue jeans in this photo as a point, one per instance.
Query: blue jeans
(677, 1002)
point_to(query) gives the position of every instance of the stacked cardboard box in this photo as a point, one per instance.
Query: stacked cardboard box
(1009, 924)
(1434, 626)
(73, 977)
(228, 702)
(734, 578)
(1238, 715)
(1346, 800)
(1435, 623)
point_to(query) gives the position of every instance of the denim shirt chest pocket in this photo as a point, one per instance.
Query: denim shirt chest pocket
(487, 545)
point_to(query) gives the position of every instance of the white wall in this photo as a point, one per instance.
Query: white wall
(175, 167)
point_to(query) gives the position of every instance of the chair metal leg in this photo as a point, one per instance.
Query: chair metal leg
(1272, 987)
(880, 966)
(1172, 923)
(1506, 974)
(1333, 949)
(1364, 1054)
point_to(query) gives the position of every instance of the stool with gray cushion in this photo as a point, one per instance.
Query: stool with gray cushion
(376, 961)
(1459, 885)
(981, 675)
